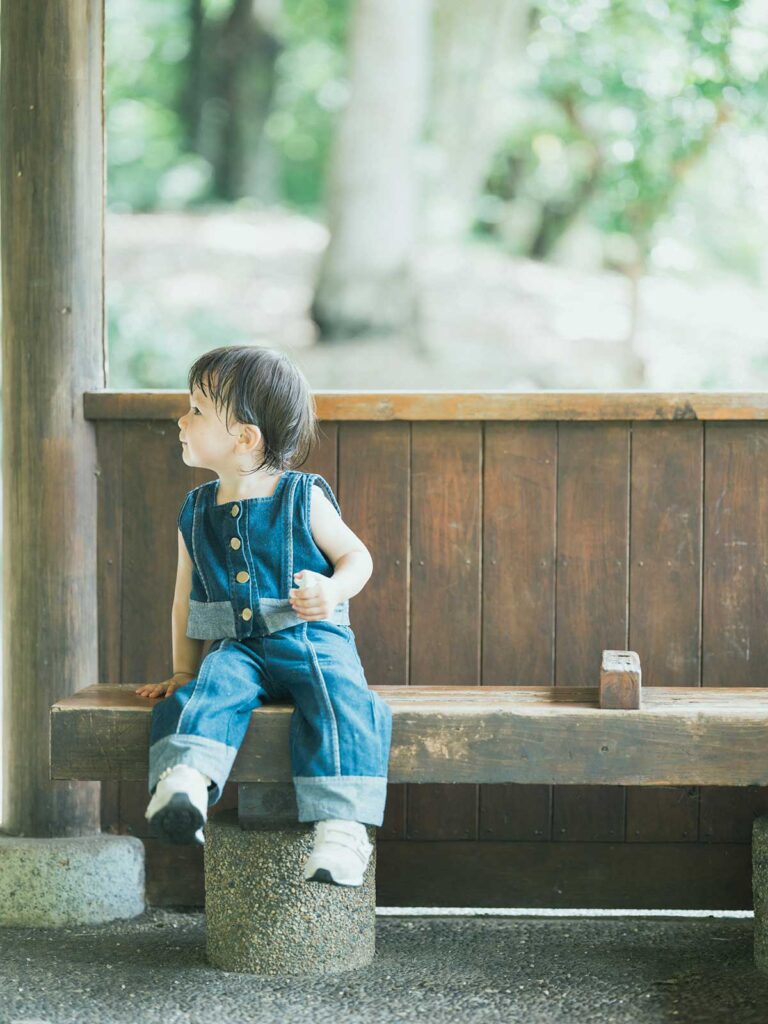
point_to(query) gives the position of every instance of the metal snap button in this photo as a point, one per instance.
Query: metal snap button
(247, 614)
(242, 577)
(235, 543)
(234, 510)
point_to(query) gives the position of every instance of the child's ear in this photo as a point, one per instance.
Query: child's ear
(250, 436)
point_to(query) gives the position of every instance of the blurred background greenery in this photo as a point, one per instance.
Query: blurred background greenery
(404, 194)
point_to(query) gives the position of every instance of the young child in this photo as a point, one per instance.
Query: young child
(243, 540)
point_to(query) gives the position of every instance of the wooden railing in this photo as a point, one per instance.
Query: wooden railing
(514, 537)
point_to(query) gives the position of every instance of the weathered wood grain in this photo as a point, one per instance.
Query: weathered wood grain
(52, 196)
(374, 406)
(620, 680)
(549, 581)
(735, 581)
(465, 735)
(592, 575)
(375, 498)
(518, 581)
(666, 481)
(445, 597)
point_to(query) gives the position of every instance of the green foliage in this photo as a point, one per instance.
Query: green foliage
(311, 89)
(638, 122)
(623, 99)
(147, 44)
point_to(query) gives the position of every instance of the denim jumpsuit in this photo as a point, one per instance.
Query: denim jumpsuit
(244, 554)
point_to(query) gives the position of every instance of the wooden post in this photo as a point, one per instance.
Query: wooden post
(52, 185)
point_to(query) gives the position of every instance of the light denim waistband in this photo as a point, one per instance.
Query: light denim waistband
(212, 620)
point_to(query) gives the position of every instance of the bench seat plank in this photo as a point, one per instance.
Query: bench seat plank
(490, 734)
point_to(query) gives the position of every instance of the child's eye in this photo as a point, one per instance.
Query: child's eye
(195, 409)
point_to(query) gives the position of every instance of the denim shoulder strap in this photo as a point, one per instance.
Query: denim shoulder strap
(313, 478)
(185, 518)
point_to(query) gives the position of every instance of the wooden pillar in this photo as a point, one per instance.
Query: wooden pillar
(52, 188)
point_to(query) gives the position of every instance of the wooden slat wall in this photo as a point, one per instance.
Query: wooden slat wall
(505, 552)
(735, 640)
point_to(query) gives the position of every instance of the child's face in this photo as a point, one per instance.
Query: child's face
(206, 443)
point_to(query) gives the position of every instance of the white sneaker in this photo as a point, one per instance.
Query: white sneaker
(340, 854)
(179, 806)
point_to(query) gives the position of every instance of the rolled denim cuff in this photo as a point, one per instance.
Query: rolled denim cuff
(210, 757)
(351, 797)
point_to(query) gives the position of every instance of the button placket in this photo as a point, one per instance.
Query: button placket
(240, 600)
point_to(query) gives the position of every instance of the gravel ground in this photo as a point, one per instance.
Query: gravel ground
(478, 969)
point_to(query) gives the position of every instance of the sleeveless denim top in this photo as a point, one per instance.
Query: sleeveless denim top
(244, 554)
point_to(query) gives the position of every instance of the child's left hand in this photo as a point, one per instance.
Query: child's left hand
(317, 596)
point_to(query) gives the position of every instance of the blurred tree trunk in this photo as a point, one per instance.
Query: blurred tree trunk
(365, 282)
(190, 102)
(228, 95)
(479, 49)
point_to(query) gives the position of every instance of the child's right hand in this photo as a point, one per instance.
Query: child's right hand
(166, 688)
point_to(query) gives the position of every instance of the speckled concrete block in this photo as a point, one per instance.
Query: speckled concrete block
(70, 880)
(760, 890)
(263, 918)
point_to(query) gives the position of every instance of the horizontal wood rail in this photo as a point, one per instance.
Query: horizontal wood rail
(112, 404)
(493, 734)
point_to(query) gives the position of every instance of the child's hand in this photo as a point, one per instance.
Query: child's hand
(167, 686)
(317, 597)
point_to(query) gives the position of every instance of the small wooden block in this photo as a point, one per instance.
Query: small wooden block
(620, 680)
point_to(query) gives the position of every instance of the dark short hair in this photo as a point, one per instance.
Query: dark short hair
(264, 387)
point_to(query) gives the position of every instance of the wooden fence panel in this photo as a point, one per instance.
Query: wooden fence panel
(735, 598)
(508, 549)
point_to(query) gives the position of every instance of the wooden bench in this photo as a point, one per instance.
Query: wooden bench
(613, 733)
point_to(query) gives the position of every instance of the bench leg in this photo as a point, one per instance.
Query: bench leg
(760, 891)
(263, 918)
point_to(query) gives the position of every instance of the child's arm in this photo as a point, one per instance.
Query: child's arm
(187, 652)
(352, 562)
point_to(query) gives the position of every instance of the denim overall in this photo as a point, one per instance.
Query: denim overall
(244, 554)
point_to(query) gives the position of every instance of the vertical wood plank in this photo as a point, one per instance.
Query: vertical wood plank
(446, 513)
(518, 628)
(665, 598)
(591, 601)
(109, 570)
(324, 457)
(735, 579)
(374, 485)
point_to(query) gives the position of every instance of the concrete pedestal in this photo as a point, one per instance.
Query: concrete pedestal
(70, 880)
(760, 890)
(263, 918)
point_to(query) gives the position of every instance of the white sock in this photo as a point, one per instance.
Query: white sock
(180, 778)
(184, 768)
